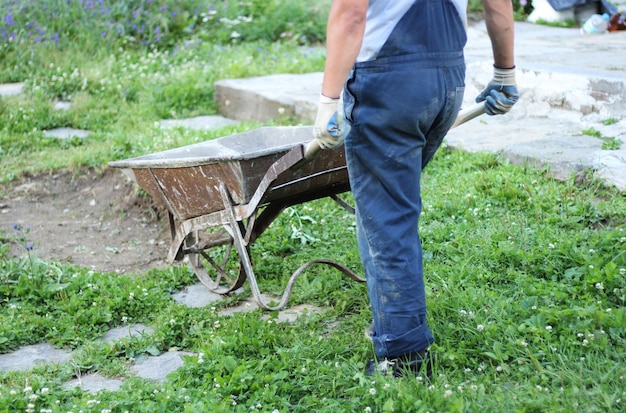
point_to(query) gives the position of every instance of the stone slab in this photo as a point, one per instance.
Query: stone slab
(28, 357)
(66, 133)
(196, 296)
(11, 89)
(120, 333)
(94, 383)
(157, 368)
(270, 97)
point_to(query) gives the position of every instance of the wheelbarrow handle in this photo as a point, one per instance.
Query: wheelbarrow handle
(312, 147)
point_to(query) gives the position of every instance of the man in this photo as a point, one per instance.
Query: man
(400, 66)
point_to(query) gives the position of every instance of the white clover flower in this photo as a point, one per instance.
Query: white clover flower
(599, 286)
(372, 391)
(368, 409)
(549, 328)
(524, 343)
(480, 327)
(447, 393)
(551, 246)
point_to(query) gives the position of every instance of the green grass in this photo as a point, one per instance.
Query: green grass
(526, 288)
(609, 143)
(526, 276)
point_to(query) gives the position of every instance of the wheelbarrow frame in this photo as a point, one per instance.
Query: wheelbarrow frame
(289, 180)
(295, 175)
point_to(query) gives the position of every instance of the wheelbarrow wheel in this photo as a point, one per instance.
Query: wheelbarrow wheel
(215, 260)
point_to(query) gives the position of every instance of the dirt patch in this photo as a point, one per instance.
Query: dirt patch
(94, 219)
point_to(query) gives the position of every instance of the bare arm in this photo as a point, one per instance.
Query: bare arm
(344, 35)
(499, 21)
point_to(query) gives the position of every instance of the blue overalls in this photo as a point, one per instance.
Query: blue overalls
(400, 106)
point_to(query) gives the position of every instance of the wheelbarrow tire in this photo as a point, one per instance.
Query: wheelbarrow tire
(213, 274)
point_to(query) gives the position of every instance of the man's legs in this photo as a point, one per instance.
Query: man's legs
(396, 127)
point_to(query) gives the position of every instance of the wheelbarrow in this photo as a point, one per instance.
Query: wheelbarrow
(222, 194)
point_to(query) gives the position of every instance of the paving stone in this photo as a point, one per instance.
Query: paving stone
(66, 133)
(28, 357)
(94, 383)
(290, 315)
(60, 105)
(133, 330)
(11, 89)
(196, 296)
(270, 97)
(199, 122)
(157, 368)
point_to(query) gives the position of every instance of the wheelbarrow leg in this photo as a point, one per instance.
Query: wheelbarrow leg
(243, 251)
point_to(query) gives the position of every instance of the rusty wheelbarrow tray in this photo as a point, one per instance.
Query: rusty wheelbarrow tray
(226, 192)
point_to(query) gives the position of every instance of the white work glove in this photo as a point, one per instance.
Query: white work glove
(501, 93)
(330, 129)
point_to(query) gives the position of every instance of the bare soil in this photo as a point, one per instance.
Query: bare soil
(93, 219)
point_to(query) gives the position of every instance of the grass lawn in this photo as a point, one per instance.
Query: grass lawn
(526, 276)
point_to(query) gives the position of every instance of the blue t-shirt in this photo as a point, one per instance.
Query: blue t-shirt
(382, 17)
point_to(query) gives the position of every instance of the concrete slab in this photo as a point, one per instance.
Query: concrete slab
(270, 97)
(611, 166)
(94, 383)
(28, 357)
(248, 305)
(66, 133)
(157, 368)
(198, 123)
(132, 330)
(290, 315)
(196, 296)
(11, 89)
(61, 105)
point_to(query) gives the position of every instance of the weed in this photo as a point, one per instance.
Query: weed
(608, 143)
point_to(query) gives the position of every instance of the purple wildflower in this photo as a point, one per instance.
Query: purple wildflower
(8, 19)
(30, 246)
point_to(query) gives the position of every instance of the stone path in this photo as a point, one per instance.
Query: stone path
(154, 367)
(568, 83)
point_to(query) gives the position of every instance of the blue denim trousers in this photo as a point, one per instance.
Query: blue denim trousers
(400, 106)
